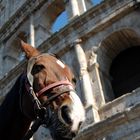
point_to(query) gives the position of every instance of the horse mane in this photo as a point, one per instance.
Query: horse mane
(11, 117)
(11, 98)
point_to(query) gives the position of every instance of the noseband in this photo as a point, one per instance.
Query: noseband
(40, 109)
(56, 84)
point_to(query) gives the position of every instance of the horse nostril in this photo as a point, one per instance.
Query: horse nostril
(80, 123)
(65, 114)
(73, 134)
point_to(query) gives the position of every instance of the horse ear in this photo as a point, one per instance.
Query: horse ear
(29, 50)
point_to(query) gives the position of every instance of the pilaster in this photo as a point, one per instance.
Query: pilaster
(93, 68)
(72, 8)
(32, 31)
(85, 84)
(1, 59)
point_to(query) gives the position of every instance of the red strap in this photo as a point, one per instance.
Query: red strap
(52, 86)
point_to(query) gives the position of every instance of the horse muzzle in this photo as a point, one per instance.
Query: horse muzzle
(72, 114)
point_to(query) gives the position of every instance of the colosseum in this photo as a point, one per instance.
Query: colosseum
(101, 44)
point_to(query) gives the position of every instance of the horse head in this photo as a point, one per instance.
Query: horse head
(54, 86)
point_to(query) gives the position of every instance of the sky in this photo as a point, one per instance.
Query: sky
(62, 20)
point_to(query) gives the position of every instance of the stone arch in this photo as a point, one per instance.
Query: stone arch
(109, 49)
(60, 22)
(50, 11)
(125, 71)
(45, 18)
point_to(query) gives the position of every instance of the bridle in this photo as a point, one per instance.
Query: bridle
(40, 110)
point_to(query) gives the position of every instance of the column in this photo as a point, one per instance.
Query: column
(82, 6)
(77, 7)
(93, 68)
(85, 83)
(72, 9)
(1, 60)
(32, 31)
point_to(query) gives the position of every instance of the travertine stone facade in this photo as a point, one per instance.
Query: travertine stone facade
(97, 42)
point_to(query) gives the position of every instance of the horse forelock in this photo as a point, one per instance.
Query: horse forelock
(12, 95)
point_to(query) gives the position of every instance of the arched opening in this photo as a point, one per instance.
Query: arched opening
(95, 2)
(60, 22)
(50, 13)
(125, 71)
(110, 49)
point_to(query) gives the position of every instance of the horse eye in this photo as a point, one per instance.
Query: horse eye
(74, 80)
(36, 69)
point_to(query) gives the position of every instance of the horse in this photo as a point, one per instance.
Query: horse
(45, 95)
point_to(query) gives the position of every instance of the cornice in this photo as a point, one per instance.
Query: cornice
(105, 127)
(31, 6)
(20, 16)
(88, 24)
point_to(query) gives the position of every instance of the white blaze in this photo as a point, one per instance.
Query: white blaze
(60, 63)
(77, 111)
